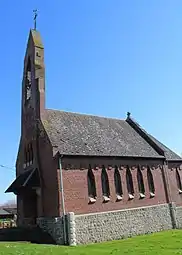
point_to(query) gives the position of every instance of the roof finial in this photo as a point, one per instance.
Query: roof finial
(35, 18)
(128, 114)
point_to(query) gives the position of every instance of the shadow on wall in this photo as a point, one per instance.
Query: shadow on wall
(33, 235)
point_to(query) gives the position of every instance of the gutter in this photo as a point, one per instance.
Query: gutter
(62, 199)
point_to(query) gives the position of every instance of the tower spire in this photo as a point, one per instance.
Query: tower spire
(35, 19)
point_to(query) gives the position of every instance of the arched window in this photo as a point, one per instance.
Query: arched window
(118, 185)
(178, 180)
(129, 182)
(141, 186)
(91, 185)
(31, 153)
(105, 185)
(28, 154)
(150, 182)
(25, 157)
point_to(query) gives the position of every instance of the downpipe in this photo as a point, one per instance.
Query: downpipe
(168, 194)
(62, 199)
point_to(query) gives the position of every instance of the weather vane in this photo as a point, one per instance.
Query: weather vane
(35, 19)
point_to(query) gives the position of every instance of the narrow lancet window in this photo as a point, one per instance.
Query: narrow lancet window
(105, 185)
(150, 182)
(118, 185)
(28, 154)
(141, 186)
(178, 180)
(25, 157)
(91, 185)
(31, 149)
(129, 182)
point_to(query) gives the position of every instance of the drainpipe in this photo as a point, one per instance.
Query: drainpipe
(62, 199)
(168, 194)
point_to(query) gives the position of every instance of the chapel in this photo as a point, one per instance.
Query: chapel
(85, 164)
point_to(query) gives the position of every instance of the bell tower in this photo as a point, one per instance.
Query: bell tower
(33, 84)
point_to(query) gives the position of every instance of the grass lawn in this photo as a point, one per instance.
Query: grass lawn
(163, 243)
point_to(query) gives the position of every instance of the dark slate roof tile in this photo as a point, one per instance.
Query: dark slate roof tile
(3, 212)
(169, 154)
(11, 210)
(80, 134)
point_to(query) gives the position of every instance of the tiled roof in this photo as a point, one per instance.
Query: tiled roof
(25, 179)
(3, 212)
(169, 154)
(11, 210)
(80, 134)
(160, 147)
(19, 181)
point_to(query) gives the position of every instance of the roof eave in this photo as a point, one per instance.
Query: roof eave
(174, 160)
(58, 154)
(141, 132)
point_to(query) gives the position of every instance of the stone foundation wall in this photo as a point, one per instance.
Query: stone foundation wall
(26, 222)
(100, 227)
(54, 226)
(105, 226)
(179, 217)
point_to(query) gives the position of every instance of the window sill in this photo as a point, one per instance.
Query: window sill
(142, 195)
(106, 199)
(152, 194)
(92, 200)
(119, 198)
(130, 196)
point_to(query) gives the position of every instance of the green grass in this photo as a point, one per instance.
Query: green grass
(163, 243)
(6, 219)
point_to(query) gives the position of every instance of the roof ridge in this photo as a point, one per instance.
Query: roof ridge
(89, 135)
(85, 114)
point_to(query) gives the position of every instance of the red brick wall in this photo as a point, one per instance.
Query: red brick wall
(175, 196)
(76, 190)
(49, 178)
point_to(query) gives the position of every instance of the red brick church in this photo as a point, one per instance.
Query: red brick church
(108, 176)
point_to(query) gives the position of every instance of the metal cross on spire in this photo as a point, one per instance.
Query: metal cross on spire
(35, 19)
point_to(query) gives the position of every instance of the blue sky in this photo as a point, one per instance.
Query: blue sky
(102, 57)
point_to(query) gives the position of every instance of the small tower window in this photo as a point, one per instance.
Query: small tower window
(28, 82)
(150, 182)
(118, 185)
(91, 185)
(141, 186)
(31, 153)
(25, 158)
(105, 185)
(178, 180)
(28, 155)
(129, 182)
